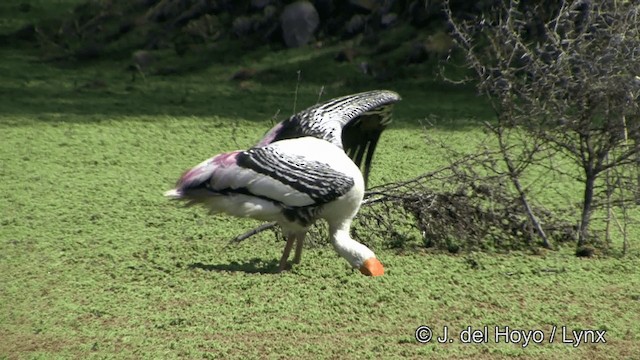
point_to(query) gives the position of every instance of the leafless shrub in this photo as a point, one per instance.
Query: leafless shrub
(569, 79)
(468, 204)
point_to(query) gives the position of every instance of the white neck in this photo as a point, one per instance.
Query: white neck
(354, 252)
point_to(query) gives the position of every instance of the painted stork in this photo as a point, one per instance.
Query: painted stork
(305, 168)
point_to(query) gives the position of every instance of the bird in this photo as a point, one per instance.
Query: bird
(304, 169)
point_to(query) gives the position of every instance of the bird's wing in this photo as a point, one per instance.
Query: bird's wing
(360, 136)
(287, 179)
(352, 122)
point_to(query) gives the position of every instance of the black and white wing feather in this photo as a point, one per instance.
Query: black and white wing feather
(353, 123)
(317, 181)
(288, 180)
(360, 136)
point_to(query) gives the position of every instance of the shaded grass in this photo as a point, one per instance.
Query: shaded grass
(17, 14)
(107, 89)
(94, 263)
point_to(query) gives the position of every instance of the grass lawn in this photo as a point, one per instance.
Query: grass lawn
(95, 263)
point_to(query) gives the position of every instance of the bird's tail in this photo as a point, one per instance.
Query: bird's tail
(174, 194)
(194, 183)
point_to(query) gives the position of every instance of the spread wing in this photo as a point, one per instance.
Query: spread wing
(360, 136)
(353, 123)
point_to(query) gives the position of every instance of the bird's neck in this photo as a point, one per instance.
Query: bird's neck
(354, 252)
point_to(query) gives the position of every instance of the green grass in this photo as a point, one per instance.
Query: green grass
(95, 263)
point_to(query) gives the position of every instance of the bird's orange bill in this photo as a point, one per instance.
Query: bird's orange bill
(372, 267)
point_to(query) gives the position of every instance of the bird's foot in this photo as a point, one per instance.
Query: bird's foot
(284, 267)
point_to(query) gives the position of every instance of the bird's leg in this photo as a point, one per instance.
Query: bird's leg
(285, 253)
(298, 255)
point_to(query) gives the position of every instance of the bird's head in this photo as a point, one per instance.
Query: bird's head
(357, 254)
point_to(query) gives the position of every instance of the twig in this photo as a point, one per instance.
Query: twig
(320, 93)
(254, 231)
(295, 96)
(514, 176)
(274, 118)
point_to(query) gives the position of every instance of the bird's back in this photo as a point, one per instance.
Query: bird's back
(295, 177)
